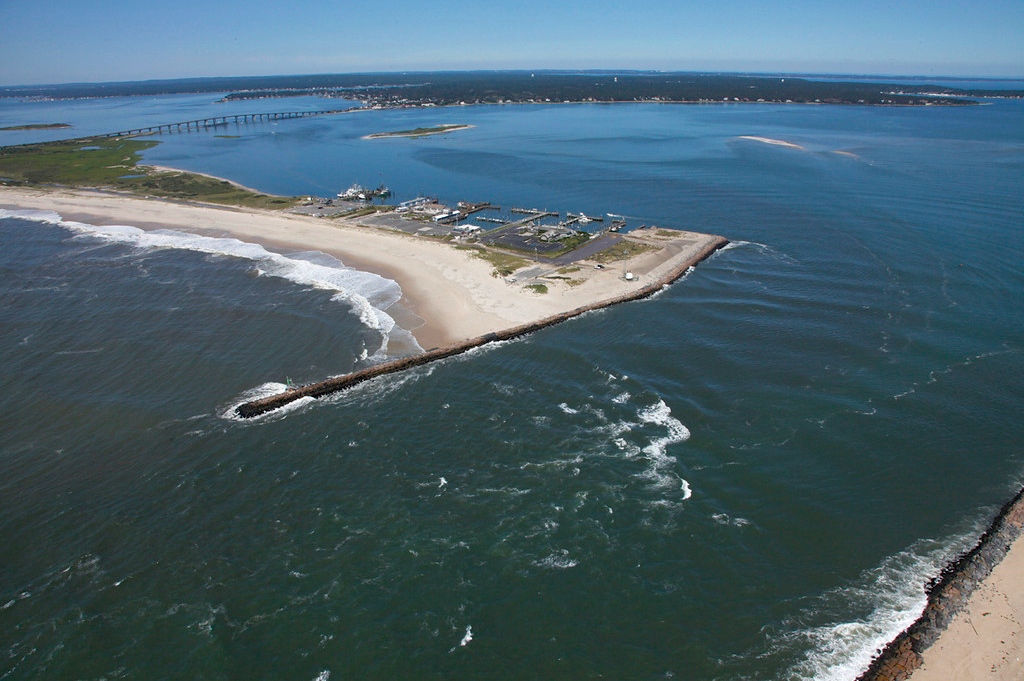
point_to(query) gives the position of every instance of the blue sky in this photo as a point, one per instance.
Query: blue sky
(59, 41)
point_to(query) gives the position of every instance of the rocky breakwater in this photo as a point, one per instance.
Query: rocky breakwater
(948, 594)
(332, 385)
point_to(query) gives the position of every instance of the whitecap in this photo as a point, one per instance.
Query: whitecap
(725, 519)
(559, 560)
(467, 637)
(684, 486)
(661, 471)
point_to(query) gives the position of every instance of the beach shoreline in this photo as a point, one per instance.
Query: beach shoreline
(973, 624)
(449, 294)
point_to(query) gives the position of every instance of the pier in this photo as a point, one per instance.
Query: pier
(581, 219)
(534, 213)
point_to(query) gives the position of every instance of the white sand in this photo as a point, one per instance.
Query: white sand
(986, 640)
(453, 291)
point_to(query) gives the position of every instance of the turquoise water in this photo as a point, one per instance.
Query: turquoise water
(749, 476)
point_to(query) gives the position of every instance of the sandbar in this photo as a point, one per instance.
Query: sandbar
(419, 132)
(769, 140)
(455, 294)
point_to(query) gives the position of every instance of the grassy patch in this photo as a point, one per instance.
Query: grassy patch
(181, 185)
(504, 264)
(667, 233)
(92, 163)
(537, 288)
(569, 281)
(364, 210)
(568, 270)
(111, 163)
(572, 243)
(623, 250)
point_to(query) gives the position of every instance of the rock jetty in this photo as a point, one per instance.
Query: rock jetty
(332, 385)
(948, 595)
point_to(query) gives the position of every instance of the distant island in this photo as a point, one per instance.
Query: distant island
(399, 90)
(37, 126)
(419, 132)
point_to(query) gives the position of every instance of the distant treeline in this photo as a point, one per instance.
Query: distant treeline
(443, 88)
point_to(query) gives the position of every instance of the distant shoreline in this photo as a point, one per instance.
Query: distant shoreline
(36, 126)
(395, 90)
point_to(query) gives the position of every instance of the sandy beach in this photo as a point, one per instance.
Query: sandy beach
(986, 639)
(971, 627)
(453, 293)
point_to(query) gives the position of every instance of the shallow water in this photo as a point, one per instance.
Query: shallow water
(749, 476)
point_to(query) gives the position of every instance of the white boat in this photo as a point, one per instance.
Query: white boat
(353, 193)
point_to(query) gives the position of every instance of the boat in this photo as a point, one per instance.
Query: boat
(354, 193)
(357, 192)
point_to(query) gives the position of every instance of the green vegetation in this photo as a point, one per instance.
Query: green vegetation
(622, 251)
(572, 243)
(364, 210)
(420, 132)
(537, 288)
(504, 263)
(569, 281)
(667, 233)
(92, 163)
(180, 185)
(112, 163)
(568, 270)
(38, 126)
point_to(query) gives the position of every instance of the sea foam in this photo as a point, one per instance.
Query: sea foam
(894, 594)
(662, 464)
(367, 295)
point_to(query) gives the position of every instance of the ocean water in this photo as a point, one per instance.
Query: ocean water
(751, 475)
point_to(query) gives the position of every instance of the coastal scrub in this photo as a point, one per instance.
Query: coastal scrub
(113, 163)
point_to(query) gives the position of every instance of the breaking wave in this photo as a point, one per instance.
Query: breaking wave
(367, 295)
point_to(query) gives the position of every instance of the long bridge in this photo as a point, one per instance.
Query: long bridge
(217, 121)
(198, 124)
